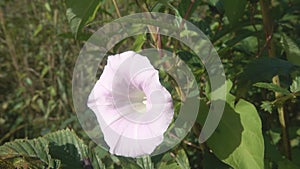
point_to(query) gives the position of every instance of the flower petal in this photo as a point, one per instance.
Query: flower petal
(131, 127)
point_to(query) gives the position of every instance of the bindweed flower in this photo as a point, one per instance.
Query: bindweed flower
(132, 107)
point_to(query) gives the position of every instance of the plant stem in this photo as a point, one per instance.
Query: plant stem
(117, 9)
(268, 25)
(187, 13)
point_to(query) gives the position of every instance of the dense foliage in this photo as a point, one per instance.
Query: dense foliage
(258, 44)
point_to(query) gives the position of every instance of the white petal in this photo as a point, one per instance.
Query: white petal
(117, 101)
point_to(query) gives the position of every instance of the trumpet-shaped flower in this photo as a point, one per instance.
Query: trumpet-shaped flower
(132, 108)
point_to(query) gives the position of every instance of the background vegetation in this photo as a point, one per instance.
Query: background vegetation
(258, 43)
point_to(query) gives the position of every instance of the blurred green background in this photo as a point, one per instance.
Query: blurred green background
(38, 51)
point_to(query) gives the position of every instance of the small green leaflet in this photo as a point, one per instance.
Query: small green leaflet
(295, 87)
(272, 87)
(267, 106)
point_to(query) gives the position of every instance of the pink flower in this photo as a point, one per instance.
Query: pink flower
(132, 107)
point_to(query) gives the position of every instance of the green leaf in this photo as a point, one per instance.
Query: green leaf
(168, 166)
(213, 2)
(295, 87)
(184, 6)
(56, 150)
(67, 147)
(212, 162)
(240, 35)
(80, 13)
(31, 153)
(271, 151)
(238, 140)
(182, 159)
(275, 136)
(262, 70)
(139, 42)
(250, 152)
(267, 106)
(6, 164)
(28, 149)
(272, 87)
(97, 155)
(68, 137)
(286, 164)
(145, 162)
(234, 9)
(291, 49)
(168, 162)
(129, 163)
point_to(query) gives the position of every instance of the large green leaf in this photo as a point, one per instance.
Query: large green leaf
(250, 152)
(81, 12)
(234, 9)
(212, 162)
(238, 140)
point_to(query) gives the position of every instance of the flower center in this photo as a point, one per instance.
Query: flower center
(138, 101)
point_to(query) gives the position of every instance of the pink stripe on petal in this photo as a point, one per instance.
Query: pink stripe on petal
(132, 107)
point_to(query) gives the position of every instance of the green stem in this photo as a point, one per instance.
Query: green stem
(117, 8)
(268, 28)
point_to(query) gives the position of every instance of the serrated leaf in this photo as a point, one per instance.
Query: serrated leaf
(272, 87)
(27, 162)
(80, 13)
(266, 106)
(234, 9)
(55, 150)
(6, 164)
(295, 87)
(29, 150)
(66, 146)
